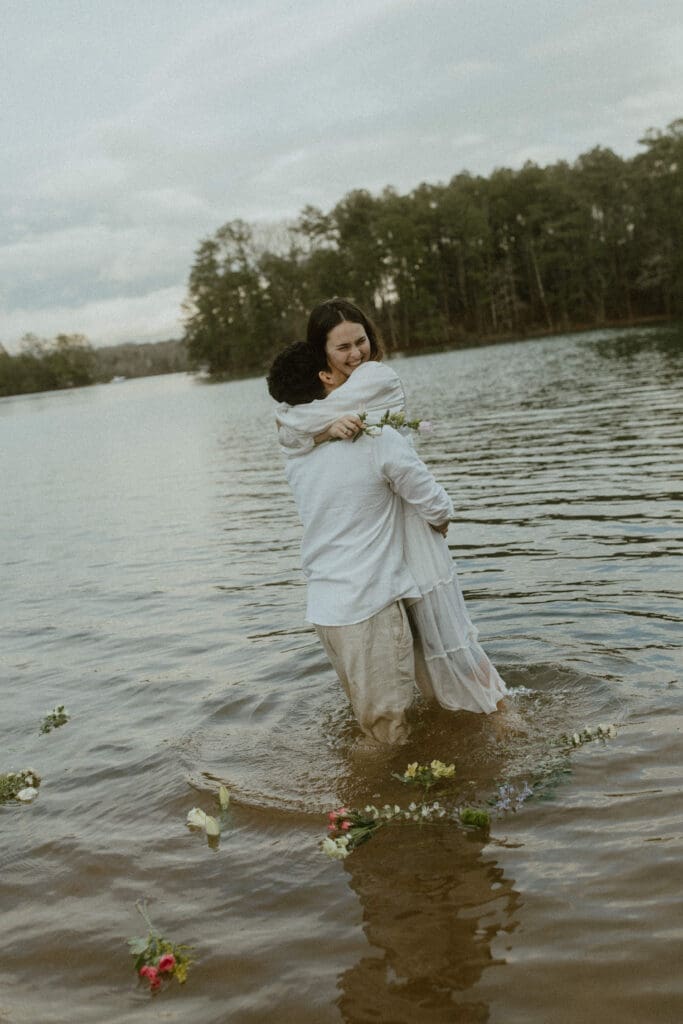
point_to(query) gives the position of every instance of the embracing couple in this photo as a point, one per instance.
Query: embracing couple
(383, 592)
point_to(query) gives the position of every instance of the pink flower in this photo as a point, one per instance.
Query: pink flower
(166, 963)
(345, 825)
(152, 974)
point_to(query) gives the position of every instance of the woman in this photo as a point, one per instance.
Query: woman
(451, 666)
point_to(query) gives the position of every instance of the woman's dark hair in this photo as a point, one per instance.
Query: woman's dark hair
(326, 316)
(293, 377)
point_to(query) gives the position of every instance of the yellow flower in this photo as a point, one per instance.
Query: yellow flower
(411, 770)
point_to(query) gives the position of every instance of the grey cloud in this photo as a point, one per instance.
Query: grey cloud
(136, 130)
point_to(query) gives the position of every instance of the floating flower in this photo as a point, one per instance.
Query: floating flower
(223, 797)
(589, 733)
(156, 958)
(427, 775)
(24, 782)
(27, 794)
(196, 818)
(167, 963)
(337, 849)
(425, 427)
(211, 826)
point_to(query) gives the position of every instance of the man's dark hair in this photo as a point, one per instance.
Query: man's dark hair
(293, 377)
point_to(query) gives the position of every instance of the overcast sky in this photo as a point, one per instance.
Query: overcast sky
(131, 130)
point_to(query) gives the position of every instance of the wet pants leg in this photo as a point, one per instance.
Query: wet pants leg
(374, 661)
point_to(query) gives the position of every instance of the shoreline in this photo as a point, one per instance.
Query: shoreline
(466, 341)
(534, 333)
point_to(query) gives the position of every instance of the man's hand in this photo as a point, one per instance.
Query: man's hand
(344, 429)
(442, 529)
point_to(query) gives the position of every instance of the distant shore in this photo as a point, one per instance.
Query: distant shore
(130, 361)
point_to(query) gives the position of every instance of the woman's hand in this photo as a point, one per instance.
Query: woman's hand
(344, 429)
(442, 528)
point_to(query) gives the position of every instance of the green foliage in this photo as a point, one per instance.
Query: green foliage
(12, 783)
(155, 957)
(473, 818)
(58, 716)
(66, 362)
(522, 251)
(144, 360)
(70, 361)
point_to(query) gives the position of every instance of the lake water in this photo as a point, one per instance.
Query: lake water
(151, 583)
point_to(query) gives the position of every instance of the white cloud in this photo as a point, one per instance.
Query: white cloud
(151, 317)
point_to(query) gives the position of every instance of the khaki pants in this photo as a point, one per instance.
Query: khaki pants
(375, 663)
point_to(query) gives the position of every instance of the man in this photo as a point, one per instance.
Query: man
(349, 496)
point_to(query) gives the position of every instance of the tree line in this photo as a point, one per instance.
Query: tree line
(592, 242)
(69, 361)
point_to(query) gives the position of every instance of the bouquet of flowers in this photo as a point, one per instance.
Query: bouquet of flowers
(397, 420)
(156, 958)
(21, 785)
(348, 829)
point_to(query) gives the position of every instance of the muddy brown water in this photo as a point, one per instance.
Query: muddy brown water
(151, 583)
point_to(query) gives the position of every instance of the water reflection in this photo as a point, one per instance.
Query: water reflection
(432, 904)
(664, 343)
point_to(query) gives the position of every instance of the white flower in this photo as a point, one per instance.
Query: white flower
(223, 797)
(337, 849)
(412, 807)
(27, 794)
(576, 739)
(211, 826)
(425, 427)
(196, 818)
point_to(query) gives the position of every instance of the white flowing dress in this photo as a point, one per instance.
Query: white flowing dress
(451, 666)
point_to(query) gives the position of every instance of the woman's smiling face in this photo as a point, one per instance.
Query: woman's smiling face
(347, 346)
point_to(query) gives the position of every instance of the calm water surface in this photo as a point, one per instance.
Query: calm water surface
(150, 582)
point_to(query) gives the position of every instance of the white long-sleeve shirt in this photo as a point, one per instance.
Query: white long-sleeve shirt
(348, 497)
(373, 389)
